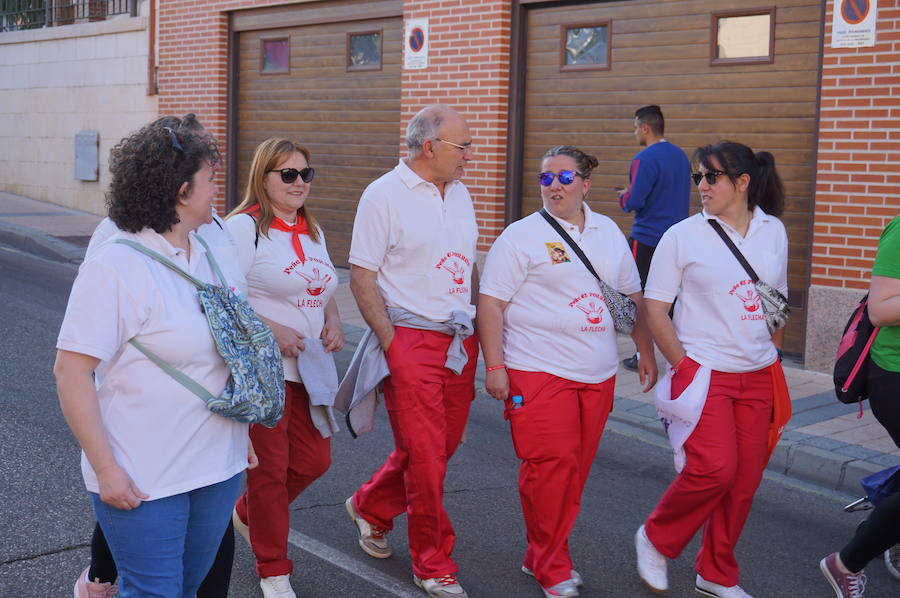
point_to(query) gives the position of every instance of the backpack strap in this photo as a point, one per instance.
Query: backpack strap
(179, 376)
(212, 260)
(165, 262)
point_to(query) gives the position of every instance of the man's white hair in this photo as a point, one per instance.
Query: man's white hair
(424, 126)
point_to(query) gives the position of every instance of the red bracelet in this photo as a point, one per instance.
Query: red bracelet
(678, 365)
(495, 367)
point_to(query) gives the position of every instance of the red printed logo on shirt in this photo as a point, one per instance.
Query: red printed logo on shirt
(591, 305)
(745, 292)
(315, 283)
(456, 265)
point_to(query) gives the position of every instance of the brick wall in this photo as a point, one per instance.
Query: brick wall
(468, 68)
(858, 177)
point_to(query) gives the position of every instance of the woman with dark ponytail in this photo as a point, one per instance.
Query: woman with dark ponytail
(723, 356)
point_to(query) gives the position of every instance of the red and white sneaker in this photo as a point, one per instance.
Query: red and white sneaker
(844, 584)
(445, 586)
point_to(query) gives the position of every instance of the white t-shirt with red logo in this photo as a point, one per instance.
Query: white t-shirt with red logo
(161, 433)
(421, 246)
(280, 286)
(718, 316)
(556, 320)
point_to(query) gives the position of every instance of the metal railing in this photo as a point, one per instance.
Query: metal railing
(16, 15)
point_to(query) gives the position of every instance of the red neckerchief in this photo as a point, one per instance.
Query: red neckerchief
(298, 228)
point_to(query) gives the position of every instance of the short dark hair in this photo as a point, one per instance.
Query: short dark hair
(651, 116)
(149, 167)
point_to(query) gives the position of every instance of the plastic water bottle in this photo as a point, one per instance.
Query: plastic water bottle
(516, 401)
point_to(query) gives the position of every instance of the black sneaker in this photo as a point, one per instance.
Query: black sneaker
(631, 363)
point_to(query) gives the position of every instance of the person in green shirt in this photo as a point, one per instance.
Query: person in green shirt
(880, 533)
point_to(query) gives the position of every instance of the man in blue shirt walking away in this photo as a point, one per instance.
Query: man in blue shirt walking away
(658, 193)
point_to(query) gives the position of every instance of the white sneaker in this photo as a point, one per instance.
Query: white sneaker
(892, 560)
(714, 590)
(372, 539)
(576, 576)
(442, 587)
(277, 586)
(239, 526)
(651, 565)
(564, 588)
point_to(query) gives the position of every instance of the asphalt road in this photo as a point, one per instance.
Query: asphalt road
(45, 517)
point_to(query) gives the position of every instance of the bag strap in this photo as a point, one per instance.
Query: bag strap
(572, 244)
(737, 252)
(212, 260)
(165, 262)
(179, 376)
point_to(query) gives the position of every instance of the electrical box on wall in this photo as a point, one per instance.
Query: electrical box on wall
(87, 155)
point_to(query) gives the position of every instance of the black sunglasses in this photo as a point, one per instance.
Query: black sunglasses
(289, 175)
(565, 177)
(709, 176)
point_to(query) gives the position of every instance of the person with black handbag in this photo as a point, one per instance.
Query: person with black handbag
(557, 286)
(722, 324)
(880, 533)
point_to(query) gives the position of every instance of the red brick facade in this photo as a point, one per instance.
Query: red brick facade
(859, 141)
(858, 168)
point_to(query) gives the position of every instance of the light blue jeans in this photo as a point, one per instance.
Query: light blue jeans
(165, 547)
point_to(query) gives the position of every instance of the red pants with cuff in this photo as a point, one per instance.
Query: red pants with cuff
(726, 456)
(555, 432)
(292, 455)
(428, 406)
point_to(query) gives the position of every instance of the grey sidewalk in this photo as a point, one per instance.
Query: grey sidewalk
(824, 444)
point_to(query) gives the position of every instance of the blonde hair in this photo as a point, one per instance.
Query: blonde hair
(268, 155)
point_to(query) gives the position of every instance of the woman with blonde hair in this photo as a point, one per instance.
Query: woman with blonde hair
(290, 282)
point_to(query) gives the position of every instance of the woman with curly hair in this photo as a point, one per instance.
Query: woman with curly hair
(161, 469)
(290, 281)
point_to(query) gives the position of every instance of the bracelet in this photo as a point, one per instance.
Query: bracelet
(678, 365)
(495, 367)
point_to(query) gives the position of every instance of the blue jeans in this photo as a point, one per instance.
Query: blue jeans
(165, 547)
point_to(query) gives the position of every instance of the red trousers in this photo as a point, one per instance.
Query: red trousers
(726, 456)
(428, 406)
(555, 433)
(292, 455)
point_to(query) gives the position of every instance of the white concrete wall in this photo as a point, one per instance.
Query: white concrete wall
(57, 81)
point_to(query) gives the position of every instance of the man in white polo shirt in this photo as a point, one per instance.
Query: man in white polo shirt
(413, 275)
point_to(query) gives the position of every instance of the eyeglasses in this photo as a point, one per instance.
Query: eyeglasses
(175, 143)
(709, 176)
(289, 175)
(465, 147)
(565, 177)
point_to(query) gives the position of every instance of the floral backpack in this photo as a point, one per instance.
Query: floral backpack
(254, 392)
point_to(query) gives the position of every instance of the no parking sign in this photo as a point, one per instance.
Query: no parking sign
(415, 47)
(854, 23)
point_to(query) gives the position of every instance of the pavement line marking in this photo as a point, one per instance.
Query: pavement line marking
(352, 565)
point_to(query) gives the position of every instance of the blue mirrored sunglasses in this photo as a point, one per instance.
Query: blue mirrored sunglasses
(565, 177)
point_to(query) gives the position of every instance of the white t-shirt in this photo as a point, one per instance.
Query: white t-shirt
(718, 316)
(161, 433)
(421, 246)
(556, 320)
(280, 287)
(215, 234)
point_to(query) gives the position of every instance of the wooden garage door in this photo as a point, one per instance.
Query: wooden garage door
(660, 54)
(349, 119)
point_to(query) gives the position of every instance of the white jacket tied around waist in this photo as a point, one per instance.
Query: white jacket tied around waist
(357, 393)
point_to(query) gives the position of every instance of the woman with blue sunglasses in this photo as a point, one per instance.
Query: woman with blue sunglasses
(549, 345)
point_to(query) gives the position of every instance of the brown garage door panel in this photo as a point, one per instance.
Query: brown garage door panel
(348, 120)
(660, 55)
